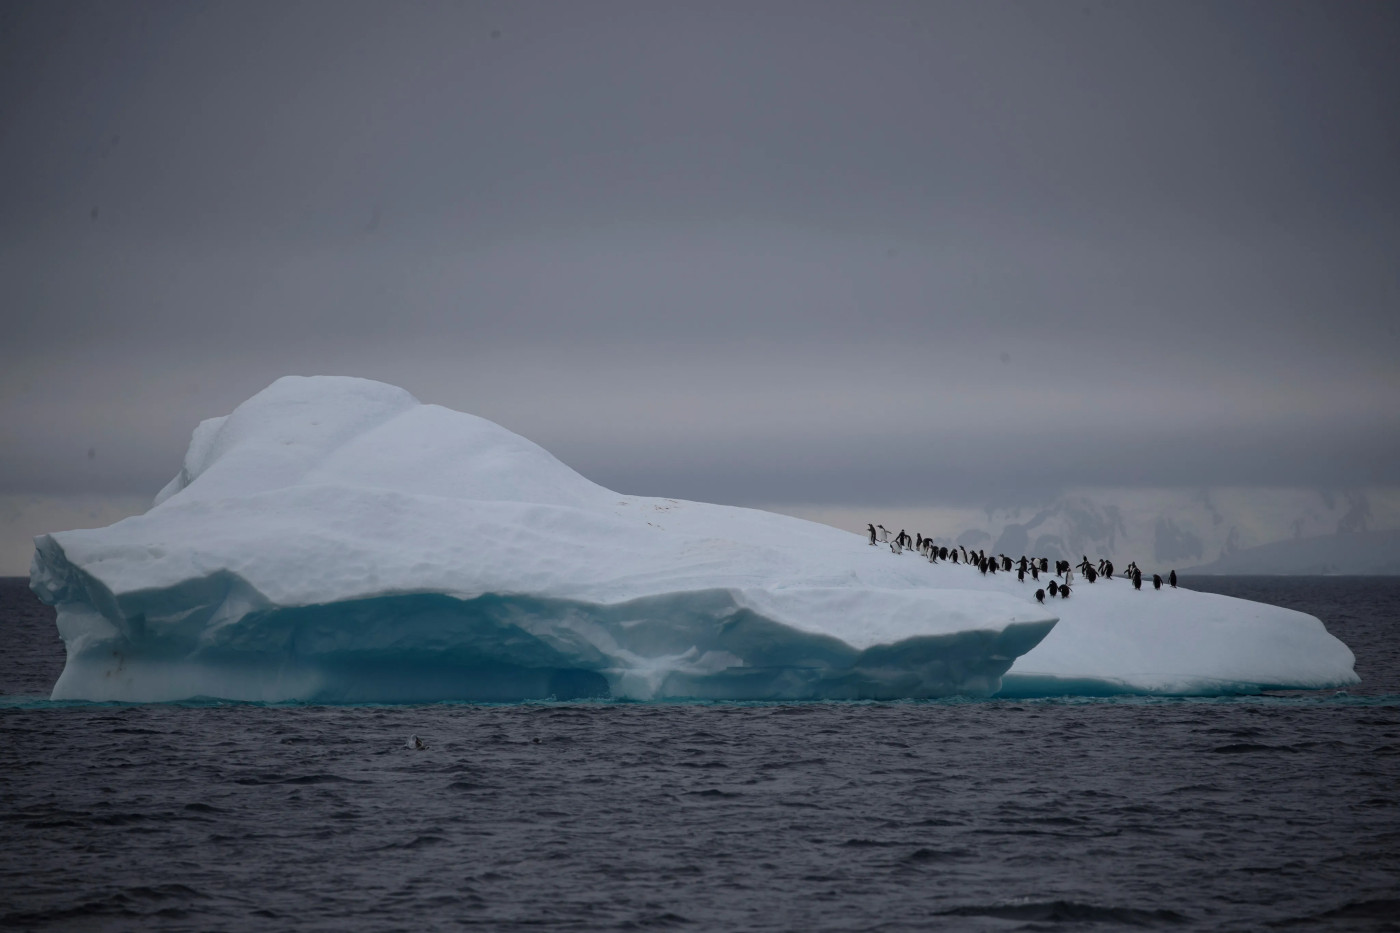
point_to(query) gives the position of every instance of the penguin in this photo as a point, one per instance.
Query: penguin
(1021, 576)
(1035, 572)
(1045, 565)
(982, 566)
(871, 529)
(884, 534)
(1064, 591)
(1172, 579)
(1005, 563)
(415, 743)
(1040, 596)
(1054, 589)
(1156, 581)
(1069, 575)
(1137, 579)
(1090, 574)
(918, 541)
(1023, 563)
(954, 558)
(964, 554)
(1108, 569)
(943, 553)
(992, 565)
(894, 547)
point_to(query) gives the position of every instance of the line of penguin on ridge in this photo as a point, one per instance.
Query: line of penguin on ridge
(1035, 566)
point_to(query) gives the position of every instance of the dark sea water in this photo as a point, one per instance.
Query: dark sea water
(1256, 813)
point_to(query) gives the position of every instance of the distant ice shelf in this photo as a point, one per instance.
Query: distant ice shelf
(335, 540)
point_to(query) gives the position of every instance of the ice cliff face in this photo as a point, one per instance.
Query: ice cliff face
(333, 539)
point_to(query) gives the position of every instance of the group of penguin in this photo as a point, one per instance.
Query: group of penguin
(1035, 566)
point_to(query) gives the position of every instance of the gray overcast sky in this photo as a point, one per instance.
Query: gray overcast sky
(752, 252)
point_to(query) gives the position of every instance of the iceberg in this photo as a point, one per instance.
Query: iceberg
(336, 540)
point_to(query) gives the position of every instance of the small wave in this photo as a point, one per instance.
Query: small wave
(1386, 909)
(654, 922)
(1240, 748)
(924, 854)
(418, 842)
(1068, 912)
(262, 779)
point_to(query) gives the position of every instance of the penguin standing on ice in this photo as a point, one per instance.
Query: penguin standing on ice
(1172, 579)
(1054, 589)
(1137, 579)
(954, 558)
(1021, 576)
(1156, 581)
(1040, 596)
(884, 534)
(871, 529)
(1090, 574)
(1035, 572)
(1108, 570)
(1064, 591)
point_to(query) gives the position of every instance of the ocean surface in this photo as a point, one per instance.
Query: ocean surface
(1249, 813)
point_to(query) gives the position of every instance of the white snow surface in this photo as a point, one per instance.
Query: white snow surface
(334, 539)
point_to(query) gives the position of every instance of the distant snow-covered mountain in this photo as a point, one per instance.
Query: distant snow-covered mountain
(1273, 530)
(1359, 552)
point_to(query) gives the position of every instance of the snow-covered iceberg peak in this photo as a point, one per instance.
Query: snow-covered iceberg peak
(335, 539)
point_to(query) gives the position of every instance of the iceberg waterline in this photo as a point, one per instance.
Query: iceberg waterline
(335, 539)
